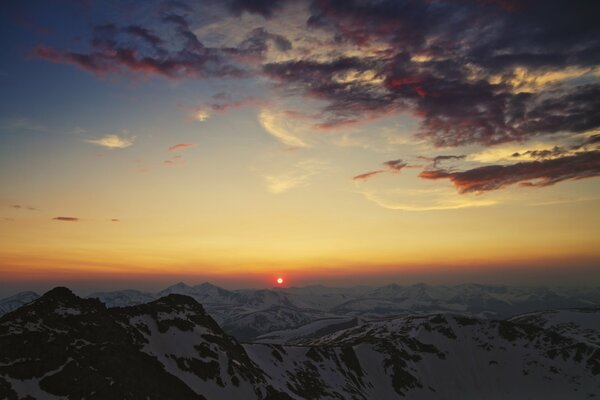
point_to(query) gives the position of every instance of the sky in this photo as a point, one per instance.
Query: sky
(322, 141)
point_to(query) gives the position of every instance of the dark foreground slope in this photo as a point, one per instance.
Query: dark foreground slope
(65, 346)
(62, 346)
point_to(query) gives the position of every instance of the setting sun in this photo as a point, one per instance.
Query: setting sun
(279, 281)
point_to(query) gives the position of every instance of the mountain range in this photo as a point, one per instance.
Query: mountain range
(249, 314)
(63, 346)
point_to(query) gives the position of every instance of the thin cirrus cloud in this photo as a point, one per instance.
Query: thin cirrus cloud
(180, 146)
(280, 127)
(299, 175)
(423, 200)
(174, 161)
(23, 207)
(112, 141)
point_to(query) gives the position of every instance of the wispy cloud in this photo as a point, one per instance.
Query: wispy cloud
(367, 175)
(174, 161)
(66, 219)
(423, 199)
(21, 124)
(180, 146)
(299, 175)
(278, 126)
(113, 141)
(23, 207)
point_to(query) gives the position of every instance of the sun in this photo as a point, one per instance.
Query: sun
(279, 281)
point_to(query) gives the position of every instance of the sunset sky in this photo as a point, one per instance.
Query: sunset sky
(325, 141)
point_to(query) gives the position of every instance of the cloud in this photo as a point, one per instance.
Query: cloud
(392, 166)
(367, 175)
(201, 115)
(513, 75)
(112, 141)
(395, 165)
(522, 71)
(299, 175)
(174, 161)
(115, 220)
(180, 146)
(280, 126)
(256, 43)
(111, 50)
(265, 8)
(545, 172)
(23, 207)
(67, 219)
(420, 200)
(437, 160)
(222, 104)
(169, 48)
(21, 124)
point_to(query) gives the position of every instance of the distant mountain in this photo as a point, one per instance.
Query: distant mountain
(13, 302)
(62, 346)
(250, 313)
(123, 298)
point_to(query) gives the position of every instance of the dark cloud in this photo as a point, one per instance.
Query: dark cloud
(591, 143)
(392, 166)
(67, 219)
(146, 35)
(468, 69)
(170, 49)
(541, 154)
(537, 173)
(257, 42)
(395, 165)
(437, 160)
(442, 60)
(266, 8)
(114, 49)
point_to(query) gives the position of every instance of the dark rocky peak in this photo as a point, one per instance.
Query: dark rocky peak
(174, 310)
(60, 292)
(178, 301)
(60, 302)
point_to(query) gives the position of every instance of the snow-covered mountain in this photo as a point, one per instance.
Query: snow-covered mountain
(249, 313)
(13, 302)
(62, 346)
(582, 324)
(123, 298)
